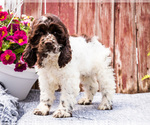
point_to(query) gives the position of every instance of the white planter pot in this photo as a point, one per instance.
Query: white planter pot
(17, 83)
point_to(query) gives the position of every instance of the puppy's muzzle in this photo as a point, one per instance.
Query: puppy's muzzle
(50, 39)
(51, 43)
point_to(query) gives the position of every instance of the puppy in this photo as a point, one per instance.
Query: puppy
(66, 61)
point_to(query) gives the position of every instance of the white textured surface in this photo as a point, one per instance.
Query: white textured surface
(128, 109)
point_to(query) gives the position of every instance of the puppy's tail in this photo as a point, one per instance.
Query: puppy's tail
(100, 47)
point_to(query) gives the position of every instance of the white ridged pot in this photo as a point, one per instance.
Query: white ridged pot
(18, 84)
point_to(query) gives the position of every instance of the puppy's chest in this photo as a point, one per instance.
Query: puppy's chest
(54, 69)
(54, 74)
(51, 62)
(51, 67)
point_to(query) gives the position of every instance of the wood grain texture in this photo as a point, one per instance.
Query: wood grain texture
(66, 11)
(68, 15)
(125, 48)
(32, 8)
(143, 40)
(51, 7)
(86, 18)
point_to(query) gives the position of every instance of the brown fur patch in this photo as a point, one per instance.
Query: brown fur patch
(65, 55)
(87, 38)
(74, 35)
(29, 55)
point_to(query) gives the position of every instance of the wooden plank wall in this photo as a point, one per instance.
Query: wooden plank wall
(124, 27)
(143, 43)
(86, 18)
(125, 48)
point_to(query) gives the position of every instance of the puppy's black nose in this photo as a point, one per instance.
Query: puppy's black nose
(48, 43)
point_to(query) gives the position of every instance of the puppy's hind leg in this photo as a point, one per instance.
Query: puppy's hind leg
(90, 87)
(107, 85)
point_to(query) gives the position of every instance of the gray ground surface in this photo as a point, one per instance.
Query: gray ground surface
(128, 109)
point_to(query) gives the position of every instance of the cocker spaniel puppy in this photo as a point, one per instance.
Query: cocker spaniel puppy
(67, 61)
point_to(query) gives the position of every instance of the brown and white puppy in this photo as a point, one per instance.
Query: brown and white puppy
(66, 61)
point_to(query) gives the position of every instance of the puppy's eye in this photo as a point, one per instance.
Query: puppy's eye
(42, 41)
(55, 33)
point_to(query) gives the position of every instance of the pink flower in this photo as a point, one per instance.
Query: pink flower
(16, 21)
(20, 32)
(13, 27)
(3, 15)
(20, 37)
(26, 23)
(3, 32)
(10, 38)
(19, 67)
(8, 57)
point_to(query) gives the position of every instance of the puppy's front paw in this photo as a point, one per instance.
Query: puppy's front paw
(39, 112)
(62, 113)
(42, 109)
(105, 106)
(84, 101)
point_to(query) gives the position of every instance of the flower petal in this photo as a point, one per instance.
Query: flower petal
(3, 15)
(3, 31)
(8, 57)
(15, 27)
(20, 38)
(19, 67)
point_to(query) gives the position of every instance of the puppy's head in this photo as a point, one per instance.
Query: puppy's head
(47, 35)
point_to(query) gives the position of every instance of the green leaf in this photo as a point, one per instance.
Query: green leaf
(11, 30)
(5, 47)
(145, 77)
(19, 50)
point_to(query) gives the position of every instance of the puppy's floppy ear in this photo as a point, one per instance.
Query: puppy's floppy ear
(29, 55)
(36, 31)
(65, 55)
(34, 36)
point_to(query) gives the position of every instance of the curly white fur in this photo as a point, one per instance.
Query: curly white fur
(90, 65)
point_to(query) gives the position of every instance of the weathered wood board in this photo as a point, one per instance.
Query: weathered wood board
(125, 48)
(66, 11)
(143, 42)
(51, 7)
(86, 18)
(68, 14)
(32, 8)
